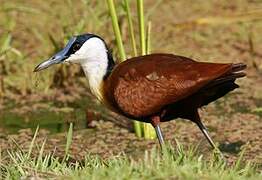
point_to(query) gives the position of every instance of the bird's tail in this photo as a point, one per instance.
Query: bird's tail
(222, 85)
(235, 72)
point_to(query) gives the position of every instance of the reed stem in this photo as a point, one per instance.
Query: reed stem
(130, 27)
(116, 28)
(148, 38)
(140, 9)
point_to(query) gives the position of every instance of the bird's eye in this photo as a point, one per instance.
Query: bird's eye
(76, 47)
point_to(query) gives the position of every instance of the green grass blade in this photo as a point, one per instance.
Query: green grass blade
(32, 143)
(40, 157)
(69, 139)
(239, 160)
(15, 162)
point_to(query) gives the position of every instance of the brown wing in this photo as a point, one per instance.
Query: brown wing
(142, 86)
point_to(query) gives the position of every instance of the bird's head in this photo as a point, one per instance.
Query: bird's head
(81, 49)
(91, 52)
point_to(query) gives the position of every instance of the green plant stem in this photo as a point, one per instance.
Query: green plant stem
(69, 138)
(140, 8)
(138, 128)
(148, 40)
(116, 28)
(130, 27)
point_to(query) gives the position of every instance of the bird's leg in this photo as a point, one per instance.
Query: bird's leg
(155, 121)
(197, 120)
(201, 126)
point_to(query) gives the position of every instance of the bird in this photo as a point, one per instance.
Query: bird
(152, 88)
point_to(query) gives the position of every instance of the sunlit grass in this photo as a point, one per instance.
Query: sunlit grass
(174, 163)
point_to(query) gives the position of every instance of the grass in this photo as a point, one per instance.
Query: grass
(172, 163)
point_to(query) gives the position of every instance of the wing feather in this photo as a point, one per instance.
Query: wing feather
(143, 86)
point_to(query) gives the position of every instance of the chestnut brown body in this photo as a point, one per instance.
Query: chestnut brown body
(167, 85)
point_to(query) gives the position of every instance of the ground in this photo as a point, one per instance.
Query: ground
(29, 99)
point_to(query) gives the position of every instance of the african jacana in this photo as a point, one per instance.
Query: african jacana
(152, 88)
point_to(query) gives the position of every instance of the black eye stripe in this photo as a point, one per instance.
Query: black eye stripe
(76, 47)
(76, 42)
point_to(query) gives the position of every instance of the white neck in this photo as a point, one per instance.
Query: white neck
(95, 65)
